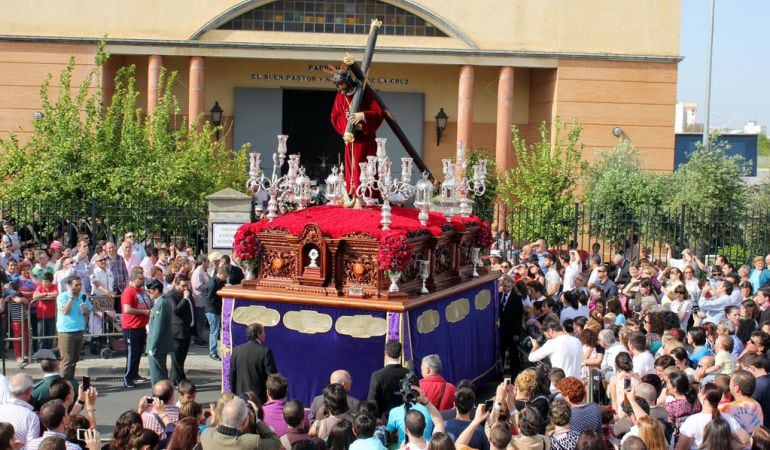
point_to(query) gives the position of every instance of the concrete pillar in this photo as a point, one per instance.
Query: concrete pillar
(155, 63)
(503, 136)
(465, 106)
(196, 93)
(503, 146)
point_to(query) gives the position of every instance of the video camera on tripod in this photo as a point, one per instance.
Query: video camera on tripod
(408, 394)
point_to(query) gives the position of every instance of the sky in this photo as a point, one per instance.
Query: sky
(740, 80)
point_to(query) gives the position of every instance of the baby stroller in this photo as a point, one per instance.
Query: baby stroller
(104, 326)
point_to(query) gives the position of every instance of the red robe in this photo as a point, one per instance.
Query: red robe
(364, 144)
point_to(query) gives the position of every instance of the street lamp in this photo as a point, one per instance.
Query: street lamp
(216, 116)
(441, 120)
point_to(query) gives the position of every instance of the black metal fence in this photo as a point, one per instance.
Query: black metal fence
(737, 233)
(154, 223)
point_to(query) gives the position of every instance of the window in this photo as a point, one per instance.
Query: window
(332, 16)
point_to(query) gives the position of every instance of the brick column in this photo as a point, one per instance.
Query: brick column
(154, 65)
(196, 93)
(465, 106)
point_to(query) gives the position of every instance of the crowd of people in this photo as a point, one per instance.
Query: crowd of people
(628, 353)
(672, 351)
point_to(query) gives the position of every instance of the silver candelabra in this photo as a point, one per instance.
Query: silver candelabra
(375, 176)
(456, 186)
(293, 187)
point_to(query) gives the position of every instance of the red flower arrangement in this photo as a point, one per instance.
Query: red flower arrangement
(394, 252)
(247, 248)
(484, 237)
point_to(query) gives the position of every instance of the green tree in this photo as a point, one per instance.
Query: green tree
(619, 191)
(540, 189)
(763, 145)
(80, 150)
(483, 206)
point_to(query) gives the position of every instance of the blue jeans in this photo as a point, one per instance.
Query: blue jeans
(214, 323)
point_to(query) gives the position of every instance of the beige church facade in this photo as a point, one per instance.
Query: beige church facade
(489, 64)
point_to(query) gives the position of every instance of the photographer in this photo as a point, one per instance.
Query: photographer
(230, 433)
(414, 400)
(565, 351)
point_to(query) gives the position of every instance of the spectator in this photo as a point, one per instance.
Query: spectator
(384, 384)
(343, 378)
(45, 295)
(17, 306)
(683, 399)
(185, 436)
(277, 386)
(228, 434)
(81, 264)
(745, 409)
(341, 436)
(364, 427)
(182, 322)
(251, 363)
(130, 257)
(694, 432)
(213, 308)
(296, 428)
(136, 307)
(620, 270)
(162, 412)
(465, 401)
(528, 421)
(117, 266)
(759, 276)
(144, 440)
(53, 416)
(585, 416)
(643, 361)
(565, 351)
(397, 415)
(73, 307)
(102, 278)
(18, 411)
(713, 309)
(603, 281)
(71, 430)
(439, 391)
(236, 274)
(199, 279)
(757, 366)
(499, 434)
(697, 338)
(149, 261)
(336, 410)
(562, 438)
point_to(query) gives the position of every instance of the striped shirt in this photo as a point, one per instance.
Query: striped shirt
(35, 443)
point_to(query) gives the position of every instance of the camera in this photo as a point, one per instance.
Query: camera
(409, 396)
(526, 343)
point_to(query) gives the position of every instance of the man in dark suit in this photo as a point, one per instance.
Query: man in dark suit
(620, 270)
(180, 299)
(511, 312)
(385, 383)
(236, 274)
(251, 363)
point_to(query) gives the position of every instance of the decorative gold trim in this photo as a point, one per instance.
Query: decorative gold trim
(428, 321)
(246, 315)
(307, 321)
(348, 138)
(457, 310)
(483, 299)
(361, 326)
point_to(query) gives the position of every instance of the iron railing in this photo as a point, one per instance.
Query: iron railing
(738, 233)
(151, 222)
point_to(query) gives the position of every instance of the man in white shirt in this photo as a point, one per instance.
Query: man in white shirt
(644, 362)
(18, 412)
(138, 250)
(565, 350)
(130, 258)
(611, 349)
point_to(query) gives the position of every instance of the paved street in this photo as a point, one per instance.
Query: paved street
(114, 399)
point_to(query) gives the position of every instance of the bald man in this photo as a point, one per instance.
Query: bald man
(649, 394)
(342, 377)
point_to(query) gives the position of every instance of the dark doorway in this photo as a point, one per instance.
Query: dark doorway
(306, 119)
